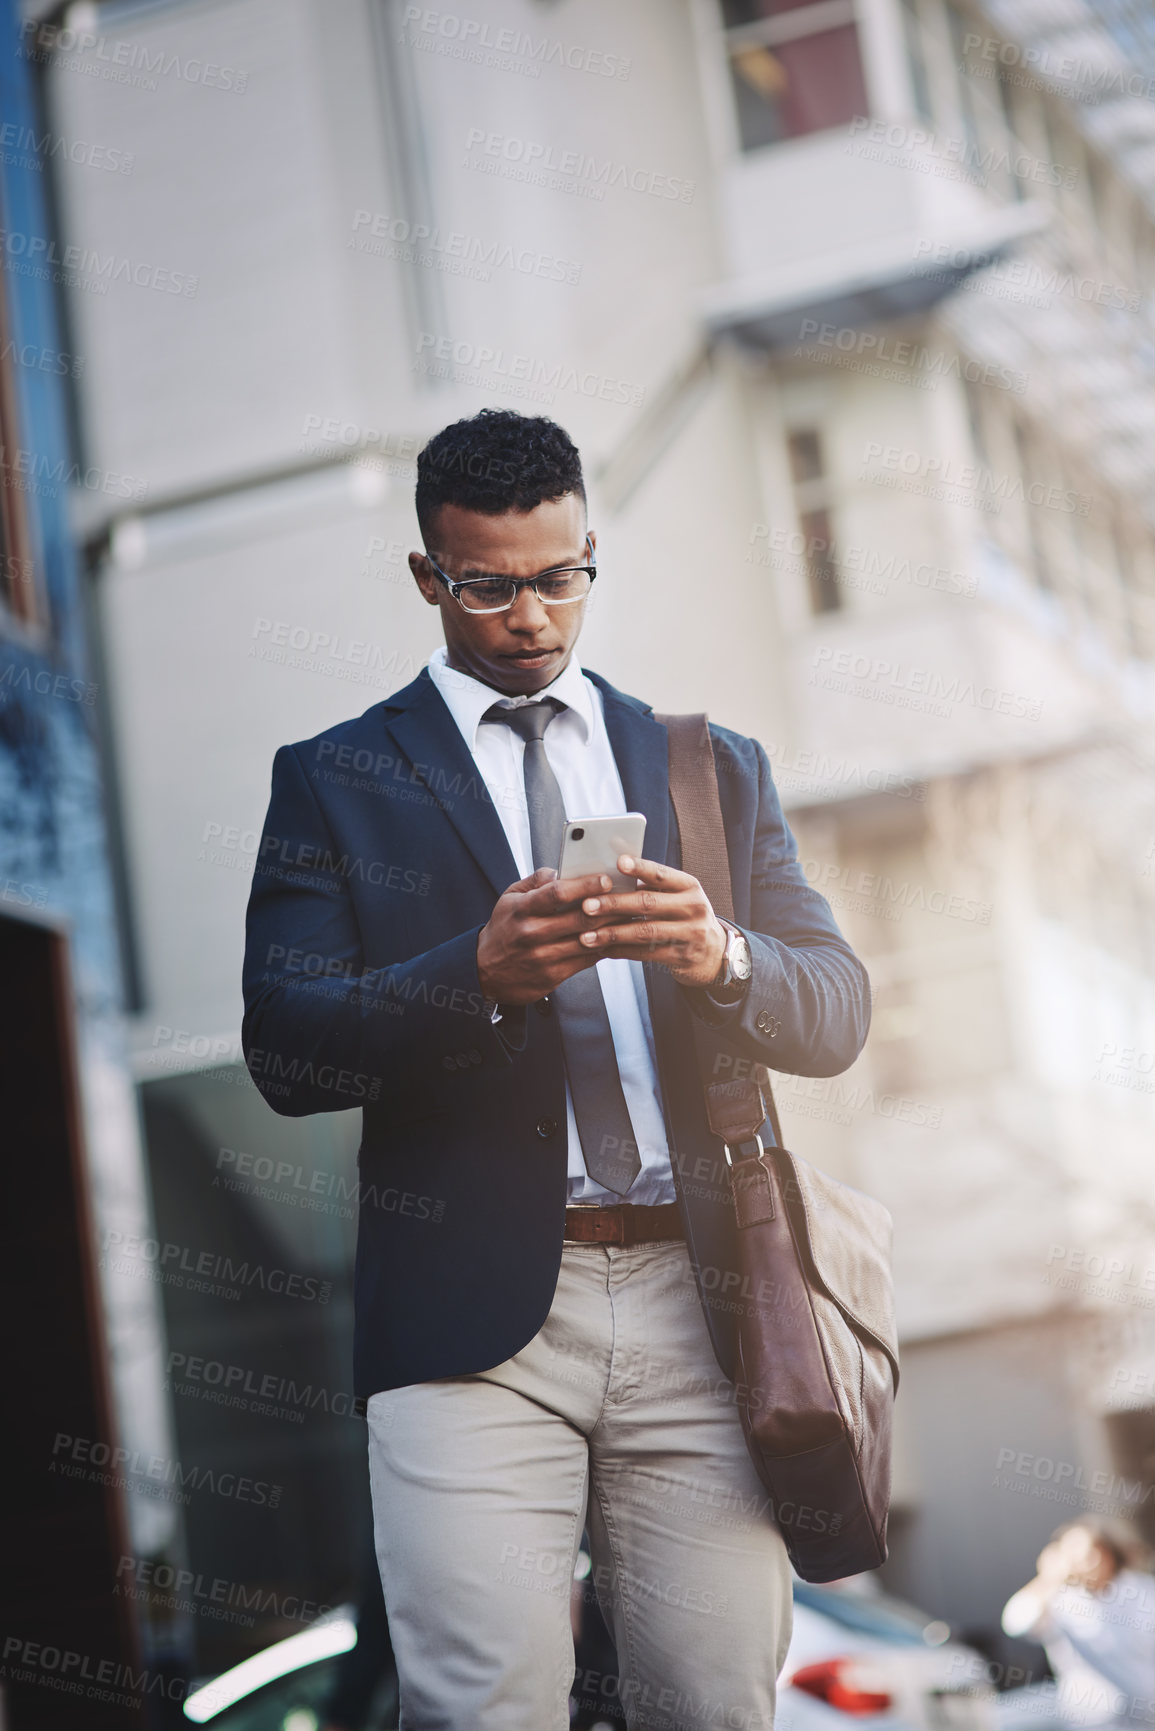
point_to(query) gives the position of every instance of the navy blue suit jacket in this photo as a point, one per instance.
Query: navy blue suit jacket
(381, 859)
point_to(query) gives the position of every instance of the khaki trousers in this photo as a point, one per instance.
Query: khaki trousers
(616, 1415)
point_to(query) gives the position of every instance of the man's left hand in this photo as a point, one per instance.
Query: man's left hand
(673, 923)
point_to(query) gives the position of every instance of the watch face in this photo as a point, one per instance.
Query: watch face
(741, 961)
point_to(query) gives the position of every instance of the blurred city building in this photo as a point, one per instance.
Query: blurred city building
(849, 305)
(86, 1413)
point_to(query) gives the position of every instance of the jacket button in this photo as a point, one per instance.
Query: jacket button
(448, 1063)
(544, 1007)
(546, 1127)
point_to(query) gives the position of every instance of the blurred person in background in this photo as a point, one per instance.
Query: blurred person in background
(1092, 1606)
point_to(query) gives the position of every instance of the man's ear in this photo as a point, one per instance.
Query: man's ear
(424, 578)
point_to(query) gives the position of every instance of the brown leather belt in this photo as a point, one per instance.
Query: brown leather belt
(624, 1223)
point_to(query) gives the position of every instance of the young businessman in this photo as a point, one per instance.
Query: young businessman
(545, 1314)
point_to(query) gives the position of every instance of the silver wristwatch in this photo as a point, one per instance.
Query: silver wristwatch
(737, 965)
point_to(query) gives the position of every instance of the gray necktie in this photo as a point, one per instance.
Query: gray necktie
(603, 1118)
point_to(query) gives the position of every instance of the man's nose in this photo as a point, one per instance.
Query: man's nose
(528, 613)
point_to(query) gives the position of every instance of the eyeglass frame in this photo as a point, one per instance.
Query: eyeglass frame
(455, 586)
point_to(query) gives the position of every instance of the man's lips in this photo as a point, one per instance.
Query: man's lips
(528, 655)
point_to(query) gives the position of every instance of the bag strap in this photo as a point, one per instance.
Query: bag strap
(736, 1109)
(698, 804)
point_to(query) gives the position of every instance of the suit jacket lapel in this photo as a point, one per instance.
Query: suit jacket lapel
(440, 760)
(431, 742)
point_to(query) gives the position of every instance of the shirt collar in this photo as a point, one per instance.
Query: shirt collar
(468, 699)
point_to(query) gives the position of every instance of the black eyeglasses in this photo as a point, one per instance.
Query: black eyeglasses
(559, 587)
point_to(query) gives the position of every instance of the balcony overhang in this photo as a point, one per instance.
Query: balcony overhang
(895, 277)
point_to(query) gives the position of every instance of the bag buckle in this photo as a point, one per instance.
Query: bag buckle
(750, 1148)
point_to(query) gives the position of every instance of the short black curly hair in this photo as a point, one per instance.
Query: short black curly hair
(496, 461)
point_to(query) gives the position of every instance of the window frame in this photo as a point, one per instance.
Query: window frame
(797, 24)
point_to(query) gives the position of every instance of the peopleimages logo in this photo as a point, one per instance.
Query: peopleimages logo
(122, 62)
(1044, 282)
(935, 364)
(813, 771)
(854, 566)
(41, 360)
(182, 1265)
(33, 472)
(154, 1475)
(1070, 1474)
(265, 1393)
(886, 681)
(523, 375)
(1041, 67)
(36, 253)
(876, 887)
(513, 50)
(110, 1681)
(283, 643)
(320, 1192)
(986, 484)
(942, 153)
(31, 149)
(419, 243)
(572, 167)
(160, 1583)
(44, 684)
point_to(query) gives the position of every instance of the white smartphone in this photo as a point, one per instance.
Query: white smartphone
(592, 844)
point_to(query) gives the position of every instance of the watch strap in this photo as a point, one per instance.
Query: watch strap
(727, 981)
(724, 976)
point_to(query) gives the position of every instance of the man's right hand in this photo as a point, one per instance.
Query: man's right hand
(530, 944)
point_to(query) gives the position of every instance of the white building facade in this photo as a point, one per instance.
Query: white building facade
(851, 308)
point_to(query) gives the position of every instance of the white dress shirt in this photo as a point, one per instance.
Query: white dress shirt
(579, 752)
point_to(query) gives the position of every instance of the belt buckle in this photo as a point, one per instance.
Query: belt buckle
(610, 1227)
(605, 1224)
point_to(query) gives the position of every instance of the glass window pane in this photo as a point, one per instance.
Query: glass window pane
(821, 573)
(805, 456)
(799, 87)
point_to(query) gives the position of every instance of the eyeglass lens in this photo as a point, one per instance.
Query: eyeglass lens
(488, 594)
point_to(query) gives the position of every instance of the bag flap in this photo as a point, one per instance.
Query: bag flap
(848, 1237)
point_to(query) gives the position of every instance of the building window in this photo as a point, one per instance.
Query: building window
(1014, 468)
(17, 590)
(796, 68)
(812, 503)
(1034, 468)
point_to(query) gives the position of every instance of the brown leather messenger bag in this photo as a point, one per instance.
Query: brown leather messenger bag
(818, 1358)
